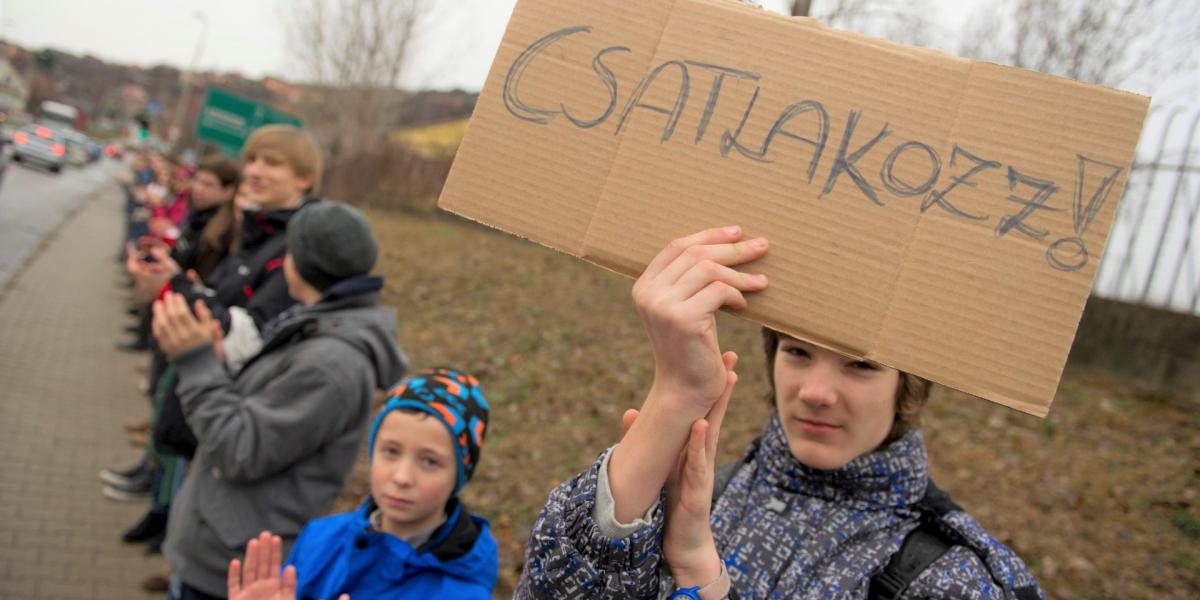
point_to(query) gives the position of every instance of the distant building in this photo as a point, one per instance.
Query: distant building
(285, 94)
(14, 92)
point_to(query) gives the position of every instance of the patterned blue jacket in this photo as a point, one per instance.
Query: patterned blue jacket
(783, 529)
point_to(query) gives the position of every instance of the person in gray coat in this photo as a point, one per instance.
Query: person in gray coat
(278, 438)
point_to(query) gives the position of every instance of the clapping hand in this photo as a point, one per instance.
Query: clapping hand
(176, 329)
(149, 277)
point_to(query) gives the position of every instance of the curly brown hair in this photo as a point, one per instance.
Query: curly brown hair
(911, 394)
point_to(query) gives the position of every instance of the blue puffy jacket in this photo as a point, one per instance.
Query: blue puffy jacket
(343, 554)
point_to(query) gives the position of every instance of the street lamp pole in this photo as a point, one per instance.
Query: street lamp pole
(186, 101)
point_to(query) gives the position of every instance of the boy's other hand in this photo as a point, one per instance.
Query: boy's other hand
(688, 544)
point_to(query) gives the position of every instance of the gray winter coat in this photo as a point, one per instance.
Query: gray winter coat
(784, 530)
(278, 440)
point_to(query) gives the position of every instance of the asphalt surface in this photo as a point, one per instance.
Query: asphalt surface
(65, 392)
(34, 202)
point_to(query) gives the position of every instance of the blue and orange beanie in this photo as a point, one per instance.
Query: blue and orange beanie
(456, 400)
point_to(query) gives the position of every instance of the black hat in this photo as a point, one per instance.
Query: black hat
(330, 242)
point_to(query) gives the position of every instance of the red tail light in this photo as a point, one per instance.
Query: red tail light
(58, 149)
(21, 137)
(43, 132)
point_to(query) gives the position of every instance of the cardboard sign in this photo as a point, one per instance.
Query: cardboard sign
(938, 215)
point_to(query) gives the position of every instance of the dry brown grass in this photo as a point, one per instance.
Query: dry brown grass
(1100, 499)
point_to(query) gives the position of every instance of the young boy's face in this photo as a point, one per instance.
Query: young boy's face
(413, 472)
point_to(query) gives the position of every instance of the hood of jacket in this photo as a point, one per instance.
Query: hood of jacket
(350, 312)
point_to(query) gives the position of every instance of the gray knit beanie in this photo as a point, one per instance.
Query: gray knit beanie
(330, 242)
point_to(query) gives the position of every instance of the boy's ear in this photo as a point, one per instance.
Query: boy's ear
(309, 180)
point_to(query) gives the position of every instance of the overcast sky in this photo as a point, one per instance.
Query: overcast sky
(245, 36)
(248, 36)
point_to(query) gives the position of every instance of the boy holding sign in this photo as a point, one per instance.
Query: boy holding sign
(823, 502)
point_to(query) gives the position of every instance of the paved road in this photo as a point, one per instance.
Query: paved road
(64, 393)
(33, 202)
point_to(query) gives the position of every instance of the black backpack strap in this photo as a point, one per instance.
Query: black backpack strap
(1027, 593)
(921, 547)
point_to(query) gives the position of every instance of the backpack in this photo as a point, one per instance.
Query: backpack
(931, 539)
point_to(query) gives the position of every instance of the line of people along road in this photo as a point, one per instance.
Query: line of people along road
(267, 342)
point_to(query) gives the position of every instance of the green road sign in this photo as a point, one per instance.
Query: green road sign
(227, 119)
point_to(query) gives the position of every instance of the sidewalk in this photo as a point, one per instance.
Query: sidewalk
(64, 392)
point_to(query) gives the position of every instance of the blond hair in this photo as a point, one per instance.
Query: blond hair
(297, 147)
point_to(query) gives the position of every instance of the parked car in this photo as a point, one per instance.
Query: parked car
(77, 150)
(11, 123)
(40, 145)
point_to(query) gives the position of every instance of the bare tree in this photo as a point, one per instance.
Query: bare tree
(1108, 42)
(1111, 42)
(355, 52)
(904, 21)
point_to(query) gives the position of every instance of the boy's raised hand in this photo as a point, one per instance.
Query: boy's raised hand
(678, 296)
(260, 578)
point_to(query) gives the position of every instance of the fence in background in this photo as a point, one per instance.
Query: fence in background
(1153, 252)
